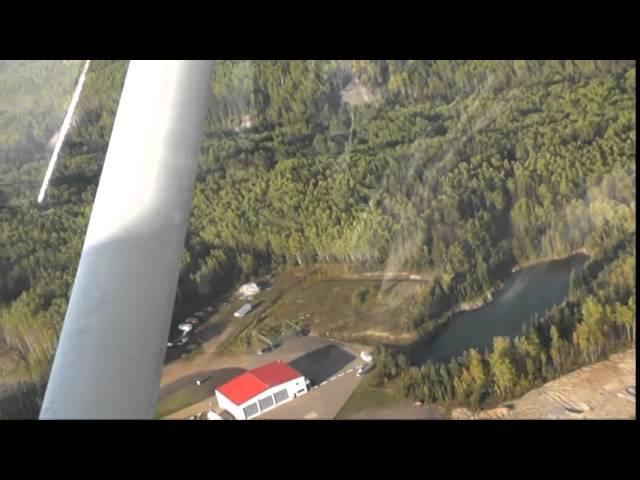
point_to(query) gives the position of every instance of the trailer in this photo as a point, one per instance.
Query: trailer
(246, 308)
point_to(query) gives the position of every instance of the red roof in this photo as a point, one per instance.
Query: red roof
(253, 382)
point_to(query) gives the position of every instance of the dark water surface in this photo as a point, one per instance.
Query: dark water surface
(529, 291)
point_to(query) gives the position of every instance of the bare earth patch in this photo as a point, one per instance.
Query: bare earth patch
(605, 390)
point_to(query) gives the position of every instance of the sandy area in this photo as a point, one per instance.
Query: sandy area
(605, 390)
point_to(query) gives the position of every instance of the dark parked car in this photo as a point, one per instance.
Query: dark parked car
(177, 342)
(193, 321)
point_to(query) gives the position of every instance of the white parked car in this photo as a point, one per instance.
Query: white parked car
(366, 356)
(185, 328)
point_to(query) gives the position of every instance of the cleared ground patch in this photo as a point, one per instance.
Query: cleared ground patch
(366, 397)
(366, 307)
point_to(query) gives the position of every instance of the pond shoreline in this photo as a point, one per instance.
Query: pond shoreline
(519, 298)
(533, 263)
(435, 327)
(488, 296)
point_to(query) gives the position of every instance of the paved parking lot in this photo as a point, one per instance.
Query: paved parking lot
(325, 399)
(210, 380)
(323, 361)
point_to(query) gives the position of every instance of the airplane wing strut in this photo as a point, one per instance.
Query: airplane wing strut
(113, 340)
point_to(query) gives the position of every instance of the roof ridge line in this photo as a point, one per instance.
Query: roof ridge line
(250, 372)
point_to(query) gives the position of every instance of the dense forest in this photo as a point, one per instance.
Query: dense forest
(598, 319)
(32, 106)
(460, 168)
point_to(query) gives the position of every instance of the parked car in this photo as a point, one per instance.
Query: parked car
(264, 350)
(177, 342)
(201, 381)
(185, 328)
(364, 369)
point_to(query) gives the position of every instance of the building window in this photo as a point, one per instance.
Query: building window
(250, 410)
(281, 396)
(266, 403)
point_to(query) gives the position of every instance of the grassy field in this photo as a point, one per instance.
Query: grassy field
(9, 361)
(325, 300)
(364, 397)
(184, 397)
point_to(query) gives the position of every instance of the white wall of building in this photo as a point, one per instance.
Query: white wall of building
(229, 406)
(294, 388)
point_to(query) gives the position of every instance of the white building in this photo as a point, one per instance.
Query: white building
(248, 290)
(260, 390)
